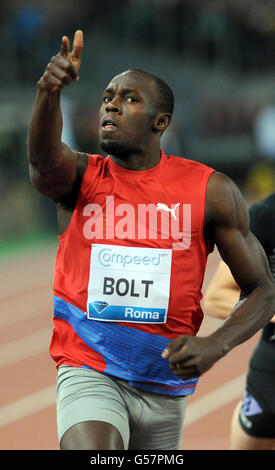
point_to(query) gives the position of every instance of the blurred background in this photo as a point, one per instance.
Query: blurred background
(218, 56)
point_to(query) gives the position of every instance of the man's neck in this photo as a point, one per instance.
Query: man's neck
(138, 161)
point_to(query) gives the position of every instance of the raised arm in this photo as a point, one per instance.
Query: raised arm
(54, 167)
(227, 216)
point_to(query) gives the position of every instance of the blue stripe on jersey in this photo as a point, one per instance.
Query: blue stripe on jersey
(129, 353)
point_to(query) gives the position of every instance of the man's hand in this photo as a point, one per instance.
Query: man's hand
(191, 356)
(63, 67)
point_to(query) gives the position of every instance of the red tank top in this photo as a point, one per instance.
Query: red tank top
(129, 270)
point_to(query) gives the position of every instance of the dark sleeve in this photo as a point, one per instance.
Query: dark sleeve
(262, 224)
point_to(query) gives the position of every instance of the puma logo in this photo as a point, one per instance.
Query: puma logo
(164, 207)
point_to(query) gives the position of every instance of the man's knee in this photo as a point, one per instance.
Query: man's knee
(92, 435)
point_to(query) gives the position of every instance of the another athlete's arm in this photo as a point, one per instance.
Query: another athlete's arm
(226, 212)
(222, 293)
(54, 167)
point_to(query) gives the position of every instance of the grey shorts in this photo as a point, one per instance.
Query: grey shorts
(145, 420)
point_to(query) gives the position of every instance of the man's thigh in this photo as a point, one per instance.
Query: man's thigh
(156, 421)
(92, 435)
(91, 413)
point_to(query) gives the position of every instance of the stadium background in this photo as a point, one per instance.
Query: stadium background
(219, 58)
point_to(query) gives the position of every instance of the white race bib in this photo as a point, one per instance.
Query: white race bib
(129, 284)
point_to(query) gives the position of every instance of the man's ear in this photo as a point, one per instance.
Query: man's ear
(161, 122)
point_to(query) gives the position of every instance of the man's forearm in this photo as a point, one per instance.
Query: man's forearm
(44, 136)
(250, 315)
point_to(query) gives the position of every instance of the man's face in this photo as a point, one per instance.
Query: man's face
(127, 114)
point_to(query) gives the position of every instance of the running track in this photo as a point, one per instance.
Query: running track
(27, 393)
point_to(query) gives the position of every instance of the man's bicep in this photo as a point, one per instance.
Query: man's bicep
(238, 247)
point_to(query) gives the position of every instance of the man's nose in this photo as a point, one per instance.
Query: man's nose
(113, 106)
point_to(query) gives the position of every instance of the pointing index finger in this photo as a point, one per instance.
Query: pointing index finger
(65, 46)
(78, 45)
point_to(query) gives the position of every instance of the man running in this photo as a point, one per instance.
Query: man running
(128, 276)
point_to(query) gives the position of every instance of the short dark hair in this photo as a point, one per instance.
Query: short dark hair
(165, 96)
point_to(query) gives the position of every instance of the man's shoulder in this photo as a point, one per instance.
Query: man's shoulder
(186, 162)
(90, 163)
(224, 202)
(94, 158)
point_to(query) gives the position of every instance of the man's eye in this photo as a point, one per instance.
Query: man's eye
(106, 99)
(131, 99)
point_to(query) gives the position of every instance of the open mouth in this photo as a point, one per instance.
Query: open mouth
(109, 125)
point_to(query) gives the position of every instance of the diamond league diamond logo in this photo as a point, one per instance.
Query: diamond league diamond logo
(100, 305)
